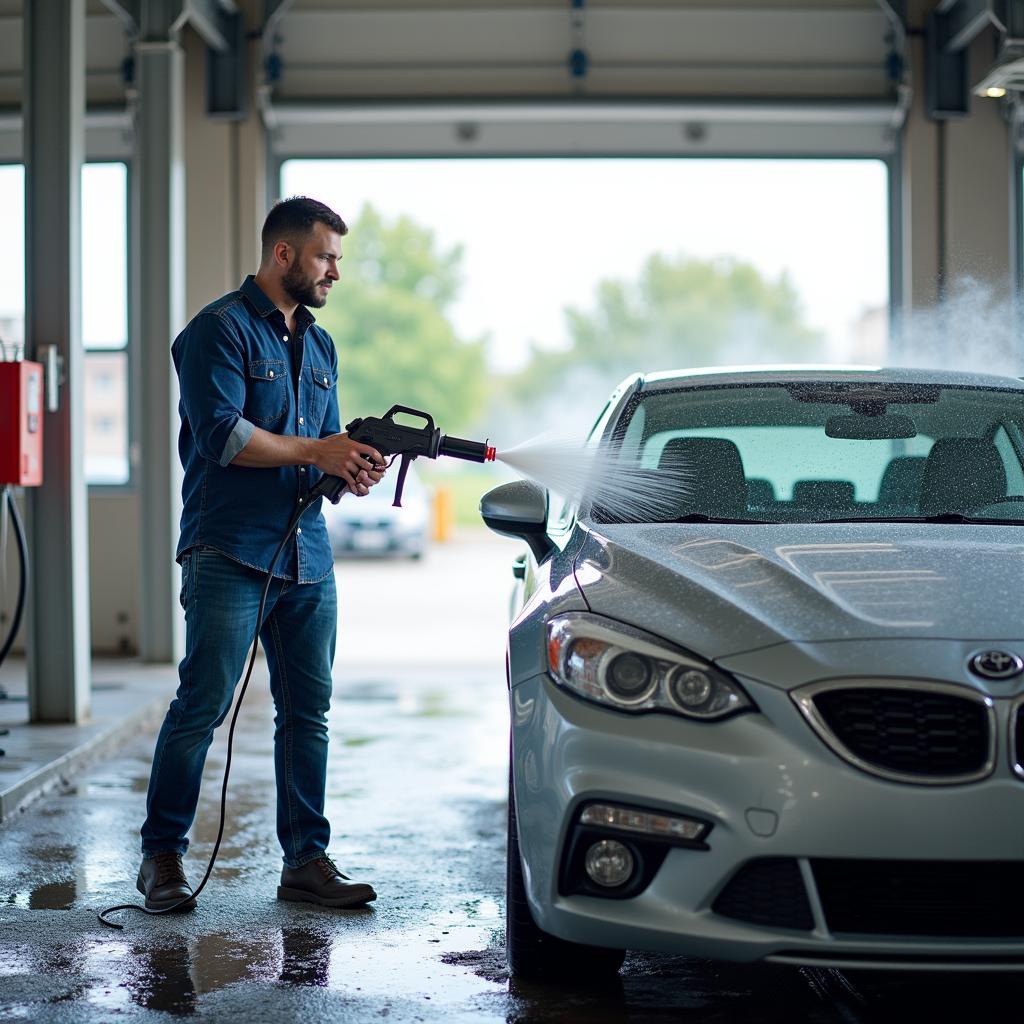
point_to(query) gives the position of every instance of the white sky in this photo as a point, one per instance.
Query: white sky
(540, 233)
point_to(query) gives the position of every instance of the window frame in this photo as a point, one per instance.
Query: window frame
(130, 482)
(128, 348)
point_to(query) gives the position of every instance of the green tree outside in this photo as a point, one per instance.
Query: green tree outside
(390, 323)
(681, 312)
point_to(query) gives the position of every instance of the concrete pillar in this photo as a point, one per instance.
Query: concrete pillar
(158, 197)
(229, 157)
(919, 181)
(58, 623)
(979, 234)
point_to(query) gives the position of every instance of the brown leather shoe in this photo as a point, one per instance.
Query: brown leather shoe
(162, 881)
(319, 881)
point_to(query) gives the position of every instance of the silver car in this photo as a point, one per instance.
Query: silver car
(775, 710)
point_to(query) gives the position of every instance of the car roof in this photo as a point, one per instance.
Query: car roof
(710, 376)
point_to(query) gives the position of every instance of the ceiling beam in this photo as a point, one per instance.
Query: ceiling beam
(126, 12)
(960, 22)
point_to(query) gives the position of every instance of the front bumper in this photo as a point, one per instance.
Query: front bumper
(771, 789)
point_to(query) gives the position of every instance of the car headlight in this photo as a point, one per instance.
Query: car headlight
(630, 670)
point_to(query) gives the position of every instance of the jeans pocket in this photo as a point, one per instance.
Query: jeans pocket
(186, 572)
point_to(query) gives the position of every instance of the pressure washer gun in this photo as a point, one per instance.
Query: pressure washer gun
(410, 442)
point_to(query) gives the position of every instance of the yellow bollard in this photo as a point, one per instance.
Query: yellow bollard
(442, 507)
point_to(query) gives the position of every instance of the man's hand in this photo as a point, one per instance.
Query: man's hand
(359, 465)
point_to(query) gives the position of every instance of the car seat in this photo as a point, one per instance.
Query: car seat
(900, 487)
(715, 483)
(961, 474)
(827, 495)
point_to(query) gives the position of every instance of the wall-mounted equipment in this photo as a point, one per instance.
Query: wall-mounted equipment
(21, 423)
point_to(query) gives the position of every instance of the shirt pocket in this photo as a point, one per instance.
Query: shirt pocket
(319, 396)
(266, 393)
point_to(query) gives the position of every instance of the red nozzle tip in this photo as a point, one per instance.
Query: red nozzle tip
(490, 454)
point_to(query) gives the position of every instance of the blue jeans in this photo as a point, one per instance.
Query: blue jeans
(221, 599)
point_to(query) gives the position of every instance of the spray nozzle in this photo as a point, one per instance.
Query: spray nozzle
(471, 451)
(408, 441)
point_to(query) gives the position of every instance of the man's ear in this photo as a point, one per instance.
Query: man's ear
(284, 253)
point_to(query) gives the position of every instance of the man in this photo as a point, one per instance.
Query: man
(259, 424)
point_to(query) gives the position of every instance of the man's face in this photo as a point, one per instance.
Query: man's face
(314, 268)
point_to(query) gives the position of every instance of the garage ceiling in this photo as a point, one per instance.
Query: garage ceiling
(501, 77)
(746, 49)
(667, 77)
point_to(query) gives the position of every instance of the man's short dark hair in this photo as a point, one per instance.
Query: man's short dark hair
(291, 220)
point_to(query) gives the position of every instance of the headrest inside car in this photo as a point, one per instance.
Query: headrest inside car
(961, 474)
(827, 494)
(901, 481)
(715, 484)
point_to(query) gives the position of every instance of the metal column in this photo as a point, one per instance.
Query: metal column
(159, 288)
(58, 623)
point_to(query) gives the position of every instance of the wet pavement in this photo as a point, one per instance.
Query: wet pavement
(416, 794)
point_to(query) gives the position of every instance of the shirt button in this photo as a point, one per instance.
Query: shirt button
(302, 469)
(271, 373)
(325, 380)
(298, 529)
(301, 421)
(284, 337)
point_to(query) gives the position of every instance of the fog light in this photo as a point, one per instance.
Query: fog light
(609, 863)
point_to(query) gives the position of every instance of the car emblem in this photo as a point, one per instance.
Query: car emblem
(996, 665)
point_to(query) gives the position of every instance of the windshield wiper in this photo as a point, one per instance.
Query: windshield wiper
(940, 517)
(700, 517)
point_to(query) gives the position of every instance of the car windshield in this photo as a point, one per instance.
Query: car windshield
(817, 451)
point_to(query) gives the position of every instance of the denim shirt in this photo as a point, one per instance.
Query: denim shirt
(239, 367)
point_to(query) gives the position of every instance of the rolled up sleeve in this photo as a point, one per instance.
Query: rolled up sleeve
(237, 440)
(211, 373)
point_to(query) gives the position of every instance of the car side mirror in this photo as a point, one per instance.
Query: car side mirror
(519, 509)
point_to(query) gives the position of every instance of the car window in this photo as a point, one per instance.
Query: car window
(809, 451)
(785, 456)
(1011, 461)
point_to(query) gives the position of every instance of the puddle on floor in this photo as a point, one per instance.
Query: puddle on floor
(54, 896)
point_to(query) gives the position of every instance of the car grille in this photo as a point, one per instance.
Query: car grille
(768, 891)
(971, 899)
(913, 734)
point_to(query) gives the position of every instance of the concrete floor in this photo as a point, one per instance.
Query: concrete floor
(416, 795)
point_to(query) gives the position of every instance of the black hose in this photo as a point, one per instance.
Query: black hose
(19, 608)
(231, 735)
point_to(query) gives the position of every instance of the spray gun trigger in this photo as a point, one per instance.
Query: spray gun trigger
(402, 470)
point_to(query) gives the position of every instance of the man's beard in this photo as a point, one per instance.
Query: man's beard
(302, 288)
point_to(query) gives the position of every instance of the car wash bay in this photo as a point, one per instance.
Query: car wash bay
(196, 111)
(416, 792)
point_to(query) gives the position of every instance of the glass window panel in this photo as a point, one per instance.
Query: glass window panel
(104, 306)
(104, 256)
(1011, 462)
(12, 258)
(106, 417)
(801, 472)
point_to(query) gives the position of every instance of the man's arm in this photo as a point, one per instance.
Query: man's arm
(337, 455)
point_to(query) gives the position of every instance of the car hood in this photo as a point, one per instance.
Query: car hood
(720, 590)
